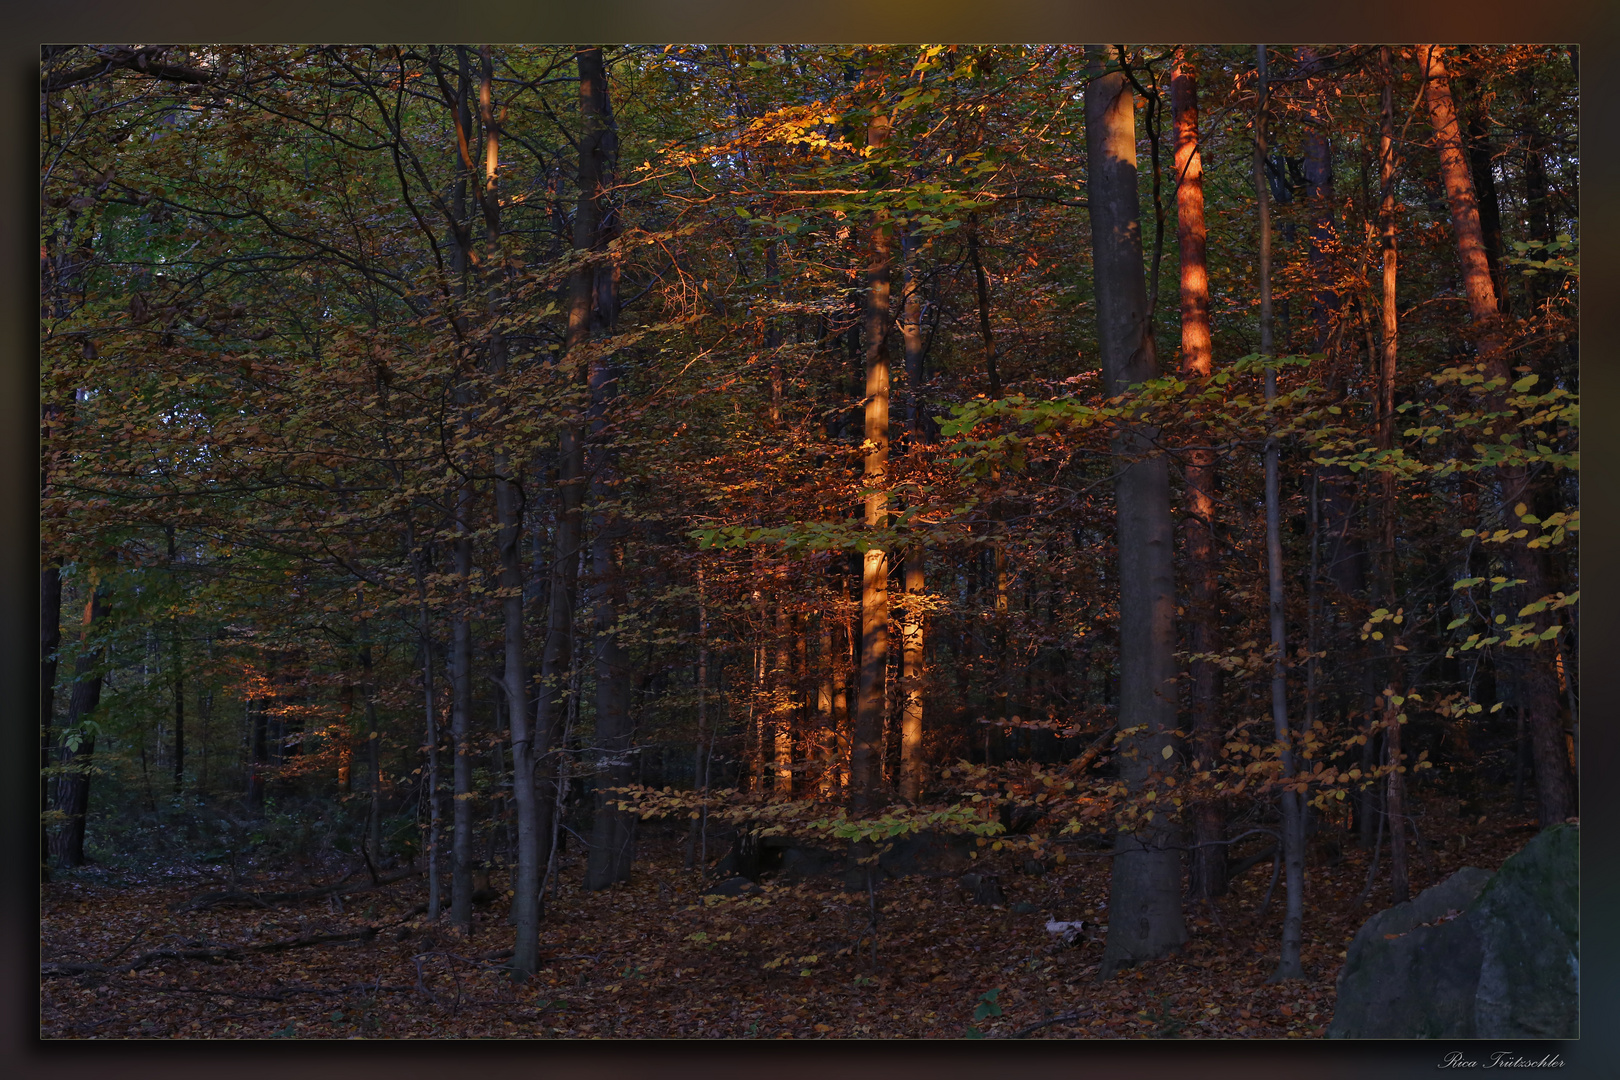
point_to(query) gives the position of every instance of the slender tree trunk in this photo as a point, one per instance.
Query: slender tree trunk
(373, 742)
(865, 749)
(76, 757)
(525, 914)
(911, 332)
(461, 554)
(50, 640)
(597, 149)
(1145, 918)
(425, 639)
(1207, 868)
(1394, 793)
(258, 752)
(1534, 674)
(701, 754)
(1293, 831)
(782, 700)
(461, 705)
(912, 761)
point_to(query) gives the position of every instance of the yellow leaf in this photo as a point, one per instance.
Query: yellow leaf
(1167, 752)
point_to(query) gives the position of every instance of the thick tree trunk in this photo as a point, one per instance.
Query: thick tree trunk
(612, 831)
(865, 751)
(1292, 805)
(76, 757)
(1207, 867)
(1145, 918)
(1534, 674)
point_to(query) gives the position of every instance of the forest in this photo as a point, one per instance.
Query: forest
(792, 541)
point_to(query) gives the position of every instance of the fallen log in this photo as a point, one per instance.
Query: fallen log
(218, 953)
(252, 899)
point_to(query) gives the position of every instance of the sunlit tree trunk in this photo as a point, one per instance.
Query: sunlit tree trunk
(782, 699)
(1293, 824)
(912, 761)
(865, 749)
(1207, 867)
(1533, 673)
(1145, 918)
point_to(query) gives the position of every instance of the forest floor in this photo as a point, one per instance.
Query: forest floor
(655, 958)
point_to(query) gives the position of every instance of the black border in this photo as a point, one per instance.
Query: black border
(1594, 24)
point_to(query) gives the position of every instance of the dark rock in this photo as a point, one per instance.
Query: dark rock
(981, 889)
(1024, 907)
(1529, 975)
(807, 861)
(737, 886)
(1476, 956)
(1034, 867)
(927, 853)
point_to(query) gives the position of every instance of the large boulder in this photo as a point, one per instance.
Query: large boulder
(1476, 956)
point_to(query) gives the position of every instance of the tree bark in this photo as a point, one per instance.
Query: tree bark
(76, 757)
(912, 672)
(865, 760)
(426, 645)
(50, 640)
(1292, 805)
(1394, 792)
(612, 833)
(1145, 918)
(1207, 867)
(1538, 688)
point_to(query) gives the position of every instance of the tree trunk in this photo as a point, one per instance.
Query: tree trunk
(426, 645)
(1394, 795)
(75, 759)
(612, 832)
(912, 762)
(1293, 831)
(1207, 867)
(697, 834)
(373, 743)
(782, 699)
(865, 749)
(50, 640)
(1144, 902)
(1534, 675)
(461, 704)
